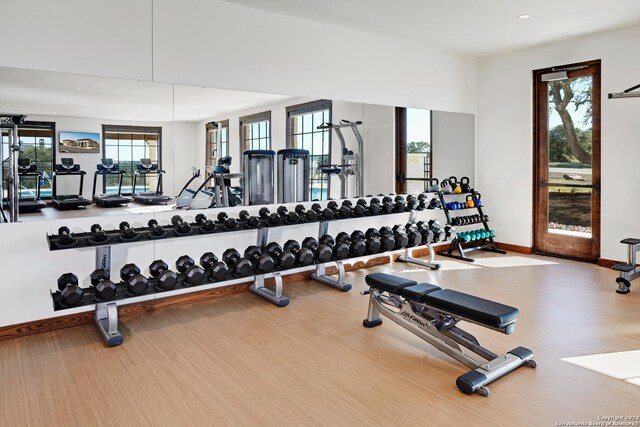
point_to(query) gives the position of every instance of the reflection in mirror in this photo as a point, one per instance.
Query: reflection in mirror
(75, 122)
(177, 146)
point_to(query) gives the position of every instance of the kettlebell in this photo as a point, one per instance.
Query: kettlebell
(470, 202)
(464, 184)
(477, 200)
(454, 184)
(434, 185)
(445, 185)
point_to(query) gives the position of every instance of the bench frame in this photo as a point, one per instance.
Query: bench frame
(439, 329)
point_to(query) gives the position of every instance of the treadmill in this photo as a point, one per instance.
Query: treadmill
(68, 201)
(27, 171)
(146, 168)
(109, 200)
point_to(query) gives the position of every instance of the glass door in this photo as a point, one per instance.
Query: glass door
(413, 150)
(567, 161)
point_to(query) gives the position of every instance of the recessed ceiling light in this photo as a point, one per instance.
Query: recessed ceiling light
(64, 103)
(53, 112)
(79, 89)
(524, 16)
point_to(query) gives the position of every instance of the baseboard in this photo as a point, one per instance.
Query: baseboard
(608, 263)
(514, 248)
(504, 246)
(77, 319)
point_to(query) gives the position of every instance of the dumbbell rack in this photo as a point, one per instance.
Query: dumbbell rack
(106, 312)
(408, 252)
(486, 244)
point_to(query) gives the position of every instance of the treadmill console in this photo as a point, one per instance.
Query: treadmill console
(107, 165)
(67, 165)
(25, 166)
(146, 165)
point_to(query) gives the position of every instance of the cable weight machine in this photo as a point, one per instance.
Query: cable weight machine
(351, 163)
(11, 122)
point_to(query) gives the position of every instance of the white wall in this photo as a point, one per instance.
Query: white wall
(505, 134)
(217, 44)
(453, 145)
(380, 149)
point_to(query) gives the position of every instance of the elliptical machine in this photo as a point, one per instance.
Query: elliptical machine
(351, 163)
(221, 194)
(187, 193)
(104, 168)
(146, 168)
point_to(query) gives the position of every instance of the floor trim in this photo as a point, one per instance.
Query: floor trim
(504, 246)
(77, 319)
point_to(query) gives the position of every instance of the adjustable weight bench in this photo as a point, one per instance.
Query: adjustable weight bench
(432, 313)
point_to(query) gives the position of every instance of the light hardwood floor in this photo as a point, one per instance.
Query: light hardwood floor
(243, 361)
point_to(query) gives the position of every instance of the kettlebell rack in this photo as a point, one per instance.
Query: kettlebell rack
(472, 202)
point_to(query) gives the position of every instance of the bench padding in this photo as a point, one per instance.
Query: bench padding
(417, 292)
(387, 282)
(479, 310)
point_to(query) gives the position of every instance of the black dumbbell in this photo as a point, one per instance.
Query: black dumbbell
(448, 231)
(217, 270)
(249, 221)
(399, 205)
(99, 235)
(372, 241)
(357, 247)
(137, 284)
(284, 260)
(427, 236)
(70, 291)
(270, 218)
(182, 228)
(340, 250)
(105, 288)
(387, 241)
(308, 215)
(262, 262)
(206, 225)
(341, 212)
(227, 223)
(165, 278)
(438, 233)
(372, 209)
(193, 274)
(155, 230)
(289, 217)
(67, 240)
(322, 213)
(240, 267)
(413, 235)
(129, 234)
(323, 253)
(412, 203)
(304, 256)
(360, 209)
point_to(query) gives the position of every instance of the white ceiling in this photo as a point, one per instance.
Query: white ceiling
(471, 27)
(47, 93)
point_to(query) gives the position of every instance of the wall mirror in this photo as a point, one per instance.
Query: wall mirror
(197, 138)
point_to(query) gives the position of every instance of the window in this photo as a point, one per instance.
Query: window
(255, 131)
(211, 156)
(303, 133)
(37, 142)
(414, 150)
(126, 145)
